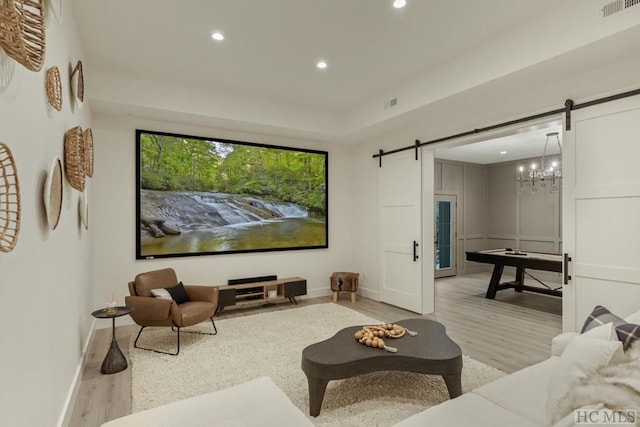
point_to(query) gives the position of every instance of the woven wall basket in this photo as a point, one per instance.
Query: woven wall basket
(87, 138)
(22, 31)
(77, 84)
(54, 88)
(9, 201)
(83, 208)
(74, 158)
(52, 194)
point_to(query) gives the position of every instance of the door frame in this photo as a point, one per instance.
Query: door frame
(427, 155)
(454, 237)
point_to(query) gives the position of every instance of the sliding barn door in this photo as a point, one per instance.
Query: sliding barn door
(400, 230)
(601, 210)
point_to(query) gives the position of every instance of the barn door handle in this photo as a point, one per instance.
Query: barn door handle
(565, 269)
(415, 251)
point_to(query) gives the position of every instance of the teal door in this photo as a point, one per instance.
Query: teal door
(445, 235)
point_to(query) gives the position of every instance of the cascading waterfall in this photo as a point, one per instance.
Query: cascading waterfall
(248, 209)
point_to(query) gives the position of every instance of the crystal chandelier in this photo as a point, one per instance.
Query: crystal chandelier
(547, 173)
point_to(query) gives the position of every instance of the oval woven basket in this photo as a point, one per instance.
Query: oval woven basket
(52, 195)
(9, 200)
(54, 88)
(22, 31)
(87, 137)
(83, 207)
(74, 158)
(77, 84)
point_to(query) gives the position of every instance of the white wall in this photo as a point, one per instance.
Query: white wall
(114, 217)
(522, 220)
(46, 282)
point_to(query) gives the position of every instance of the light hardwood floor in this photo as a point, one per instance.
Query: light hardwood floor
(511, 332)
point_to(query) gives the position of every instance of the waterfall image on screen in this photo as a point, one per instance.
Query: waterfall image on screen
(206, 196)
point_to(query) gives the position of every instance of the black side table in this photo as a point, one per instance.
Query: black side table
(114, 361)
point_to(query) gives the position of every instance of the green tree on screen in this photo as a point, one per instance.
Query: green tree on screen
(171, 163)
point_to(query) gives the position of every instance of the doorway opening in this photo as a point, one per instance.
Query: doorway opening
(494, 212)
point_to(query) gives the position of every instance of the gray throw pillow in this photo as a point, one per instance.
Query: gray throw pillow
(600, 316)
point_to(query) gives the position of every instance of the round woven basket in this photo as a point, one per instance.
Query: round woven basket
(87, 137)
(54, 88)
(22, 31)
(9, 200)
(52, 195)
(74, 158)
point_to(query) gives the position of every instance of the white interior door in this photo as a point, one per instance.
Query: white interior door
(399, 188)
(444, 242)
(601, 210)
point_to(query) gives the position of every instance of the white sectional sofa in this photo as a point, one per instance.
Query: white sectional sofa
(532, 397)
(517, 400)
(584, 371)
(259, 402)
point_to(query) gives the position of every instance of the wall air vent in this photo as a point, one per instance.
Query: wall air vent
(617, 6)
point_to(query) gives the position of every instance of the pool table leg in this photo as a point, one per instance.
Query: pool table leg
(519, 279)
(495, 281)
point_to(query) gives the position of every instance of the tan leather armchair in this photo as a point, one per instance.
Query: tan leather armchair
(152, 311)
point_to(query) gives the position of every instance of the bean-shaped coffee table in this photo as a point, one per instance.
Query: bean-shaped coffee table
(341, 356)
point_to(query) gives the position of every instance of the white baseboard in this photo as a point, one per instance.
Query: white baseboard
(69, 403)
(374, 295)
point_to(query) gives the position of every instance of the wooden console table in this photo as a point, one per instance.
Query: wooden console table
(263, 292)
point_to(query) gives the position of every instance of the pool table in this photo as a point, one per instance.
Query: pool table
(521, 260)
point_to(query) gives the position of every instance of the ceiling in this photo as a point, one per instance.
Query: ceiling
(264, 73)
(271, 47)
(526, 144)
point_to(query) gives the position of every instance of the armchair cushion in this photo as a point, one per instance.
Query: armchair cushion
(202, 293)
(178, 293)
(149, 309)
(192, 312)
(144, 282)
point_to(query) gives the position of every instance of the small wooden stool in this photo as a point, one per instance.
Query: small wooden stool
(344, 282)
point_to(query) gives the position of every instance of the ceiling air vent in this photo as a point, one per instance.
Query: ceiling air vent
(618, 6)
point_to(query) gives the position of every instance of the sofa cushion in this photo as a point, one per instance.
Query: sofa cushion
(470, 409)
(560, 342)
(523, 392)
(582, 357)
(255, 403)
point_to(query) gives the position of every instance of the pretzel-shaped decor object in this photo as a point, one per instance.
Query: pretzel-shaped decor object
(371, 336)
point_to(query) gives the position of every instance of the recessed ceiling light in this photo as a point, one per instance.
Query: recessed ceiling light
(217, 36)
(321, 64)
(399, 3)
(503, 152)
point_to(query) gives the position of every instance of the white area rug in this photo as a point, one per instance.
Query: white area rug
(271, 344)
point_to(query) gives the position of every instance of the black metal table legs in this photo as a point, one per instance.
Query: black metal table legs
(114, 361)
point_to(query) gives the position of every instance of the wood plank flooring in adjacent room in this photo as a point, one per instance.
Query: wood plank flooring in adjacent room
(511, 332)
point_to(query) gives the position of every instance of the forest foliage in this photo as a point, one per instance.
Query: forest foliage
(171, 163)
